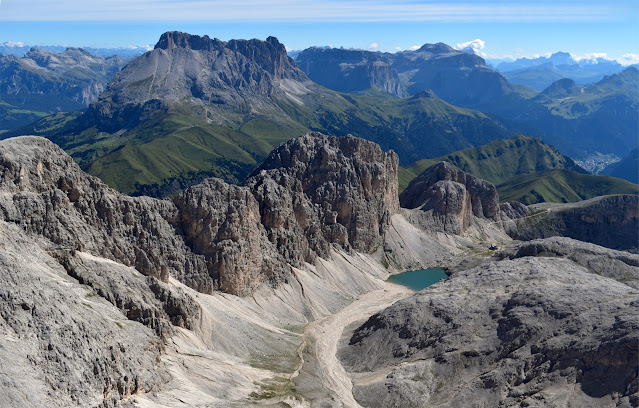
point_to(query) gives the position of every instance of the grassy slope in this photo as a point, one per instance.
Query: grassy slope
(175, 146)
(184, 145)
(497, 161)
(561, 185)
(617, 88)
(541, 173)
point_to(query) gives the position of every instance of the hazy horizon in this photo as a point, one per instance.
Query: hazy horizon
(500, 29)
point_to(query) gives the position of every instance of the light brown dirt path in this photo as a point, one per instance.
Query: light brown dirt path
(322, 374)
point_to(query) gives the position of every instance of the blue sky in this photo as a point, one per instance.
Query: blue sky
(505, 27)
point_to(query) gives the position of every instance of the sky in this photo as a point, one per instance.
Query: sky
(496, 28)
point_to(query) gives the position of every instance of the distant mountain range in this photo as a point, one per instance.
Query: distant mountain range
(196, 107)
(44, 82)
(20, 49)
(578, 120)
(539, 73)
(457, 77)
(604, 119)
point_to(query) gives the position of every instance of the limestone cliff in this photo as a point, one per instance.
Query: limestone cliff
(222, 222)
(451, 198)
(311, 193)
(319, 190)
(610, 221)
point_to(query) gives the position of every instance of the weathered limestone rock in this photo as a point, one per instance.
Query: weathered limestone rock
(311, 193)
(319, 190)
(451, 197)
(222, 222)
(611, 221)
(62, 344)
(526, 332)
(618, 265)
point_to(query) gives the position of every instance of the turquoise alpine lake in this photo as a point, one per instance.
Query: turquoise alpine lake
(418, 280)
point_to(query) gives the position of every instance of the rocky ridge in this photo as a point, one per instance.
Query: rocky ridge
(609, 221)
(311, 193)
(123, 258)
(184, 67)
(450, 200)
(350, 70)
(618, 265)
(328, 190)
(293, 236)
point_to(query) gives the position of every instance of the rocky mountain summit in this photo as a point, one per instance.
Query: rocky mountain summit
(183, 66)
(451, 196)
(332, 191)
(350, 70)
(450, 200)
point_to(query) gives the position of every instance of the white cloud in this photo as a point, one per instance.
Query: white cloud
(373, 46)
(473, 46)
(628, 59)
(289, 10)
(590, 56)
(13, 44)
(414, 47)
(137, 47)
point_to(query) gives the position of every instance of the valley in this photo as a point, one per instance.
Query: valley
(273, 328)
(214, 224)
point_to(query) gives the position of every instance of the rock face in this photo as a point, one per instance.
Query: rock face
(455, 76)
(92, 329)
(350, 70)
(610, 221)
(527, 332)
(451, 197)
(319, 190)
(222, 222)
(311, 193)
(46, 193)
(618, 265)
(62, 344)
(184, 66)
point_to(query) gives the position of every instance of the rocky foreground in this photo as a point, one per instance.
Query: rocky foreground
(240, 294)
(525, 332)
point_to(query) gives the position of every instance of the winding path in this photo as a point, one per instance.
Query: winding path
(323, 335)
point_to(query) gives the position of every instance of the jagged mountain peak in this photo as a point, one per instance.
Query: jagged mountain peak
(185, 67)
(178, 39)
